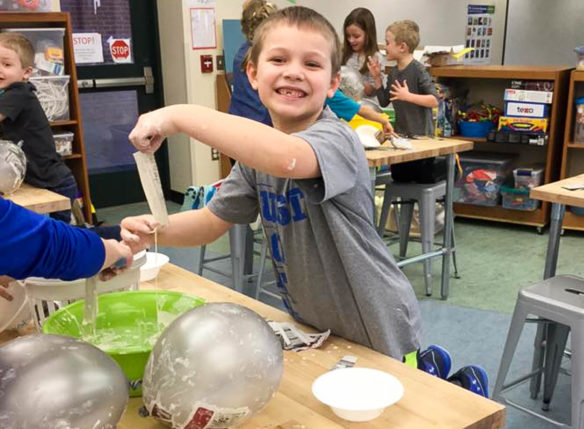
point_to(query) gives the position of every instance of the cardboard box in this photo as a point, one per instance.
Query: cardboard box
(529, 110)
(528, 96)
(445, 55)
(532, 125)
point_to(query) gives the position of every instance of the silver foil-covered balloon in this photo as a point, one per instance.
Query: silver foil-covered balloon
(53, 382)
(213, 367)
(12, 167)
(351, 83)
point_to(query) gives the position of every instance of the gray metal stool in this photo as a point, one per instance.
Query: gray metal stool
(558, 299)
(241, 240)
(427, 195)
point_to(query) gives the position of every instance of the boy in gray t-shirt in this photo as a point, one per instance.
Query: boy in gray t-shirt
(307, 177)
(409, 86)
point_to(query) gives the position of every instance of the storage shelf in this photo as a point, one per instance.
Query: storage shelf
(572, 221)
(73, 156)
(63, 123)
(578, 75)
(575, 145)
(500, 214)
(499, 72)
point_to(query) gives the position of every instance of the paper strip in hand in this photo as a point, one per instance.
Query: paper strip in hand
(152, 186)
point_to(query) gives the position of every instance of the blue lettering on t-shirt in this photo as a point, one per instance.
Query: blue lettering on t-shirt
(282, 209)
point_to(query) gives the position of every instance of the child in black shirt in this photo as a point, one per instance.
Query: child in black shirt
(23, 119)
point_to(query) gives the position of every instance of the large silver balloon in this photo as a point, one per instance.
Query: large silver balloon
(213, 367)
(53, 382)
(12, 167)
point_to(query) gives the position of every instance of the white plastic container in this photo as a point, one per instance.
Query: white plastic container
(16, 313)
(53, 94)
(64, 143)
(48, 295)
(48, 44)
(527, 178)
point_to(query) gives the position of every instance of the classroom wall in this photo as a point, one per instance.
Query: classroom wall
(441, 23)
(544, 32)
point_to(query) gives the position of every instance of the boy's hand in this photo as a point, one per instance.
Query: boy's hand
(4, 283)
(137, 232)
(374, 66)
(388, 129)
(399, 91)
(150, 131)
(119, 256)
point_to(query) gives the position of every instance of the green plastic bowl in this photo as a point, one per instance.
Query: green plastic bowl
(127, 326)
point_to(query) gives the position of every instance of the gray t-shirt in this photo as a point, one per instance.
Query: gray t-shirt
(410, 118)
(333, 270)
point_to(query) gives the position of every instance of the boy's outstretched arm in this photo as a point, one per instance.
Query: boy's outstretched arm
(400, 91)
(254, 144)
(190, 228)
(368, 113)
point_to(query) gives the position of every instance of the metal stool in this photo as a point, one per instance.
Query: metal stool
(558, 299)
(241, 241)
(427, 195)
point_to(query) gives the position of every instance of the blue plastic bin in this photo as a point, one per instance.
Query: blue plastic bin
(475, 129)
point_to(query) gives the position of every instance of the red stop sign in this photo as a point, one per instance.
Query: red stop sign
(120, 50)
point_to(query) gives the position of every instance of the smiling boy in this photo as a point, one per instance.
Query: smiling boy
(308, 178)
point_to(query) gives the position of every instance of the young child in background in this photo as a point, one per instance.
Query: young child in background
(409, 86)
(23, 119)
(360, 43)
(309, 180)
(410, 89)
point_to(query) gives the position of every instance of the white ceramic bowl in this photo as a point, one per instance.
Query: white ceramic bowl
(154, 261)
(357, 394)
(15, 313)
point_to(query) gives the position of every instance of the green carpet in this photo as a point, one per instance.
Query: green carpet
(494, 261)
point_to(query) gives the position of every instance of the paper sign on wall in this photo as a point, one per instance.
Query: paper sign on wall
(87, 48)
(203, 28)
(120, 50)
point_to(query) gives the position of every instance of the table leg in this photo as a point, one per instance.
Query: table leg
(448, 217)
(551, 258)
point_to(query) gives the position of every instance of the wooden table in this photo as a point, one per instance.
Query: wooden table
(559, 197)
(428, 401)
(39, 200)
(426, 148)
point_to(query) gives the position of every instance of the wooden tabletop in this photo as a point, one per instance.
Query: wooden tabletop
(555, 193)
(428, 401)
(39, 200)
(422, 148)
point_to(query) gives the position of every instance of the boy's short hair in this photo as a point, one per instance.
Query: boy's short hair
(301, 17)
(19, 44)
(406, 31)
(254, 12)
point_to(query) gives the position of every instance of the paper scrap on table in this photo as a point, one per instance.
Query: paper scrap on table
(292, 338)
(574, 186)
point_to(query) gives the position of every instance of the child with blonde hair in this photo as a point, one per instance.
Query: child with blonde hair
(308, 179)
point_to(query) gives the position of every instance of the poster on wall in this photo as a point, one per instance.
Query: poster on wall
(479, 33)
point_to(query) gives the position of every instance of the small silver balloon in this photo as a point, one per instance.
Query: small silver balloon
(12, 167)
(214, 367)
(54, 382)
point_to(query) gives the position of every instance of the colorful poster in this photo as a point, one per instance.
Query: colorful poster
(479, 33)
